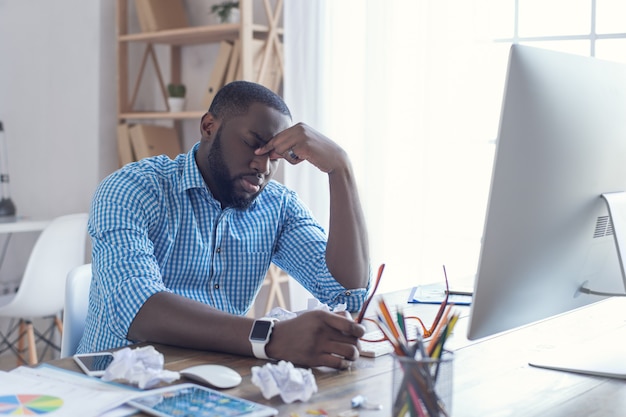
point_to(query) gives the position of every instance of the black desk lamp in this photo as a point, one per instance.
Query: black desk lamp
(7, 208)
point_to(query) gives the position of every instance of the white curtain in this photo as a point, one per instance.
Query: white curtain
(412, 90)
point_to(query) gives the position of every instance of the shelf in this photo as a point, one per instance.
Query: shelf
(195, 34)
(158, 115)
(259, 59)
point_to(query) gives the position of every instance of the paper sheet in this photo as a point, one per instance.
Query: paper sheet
(436, 293)
(58, 392)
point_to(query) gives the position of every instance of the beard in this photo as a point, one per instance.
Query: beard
(222, 177)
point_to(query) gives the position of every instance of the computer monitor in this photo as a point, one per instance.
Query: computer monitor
(548, 234)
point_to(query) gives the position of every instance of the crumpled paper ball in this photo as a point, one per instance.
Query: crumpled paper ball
(281, 314)
(285, 379)
(315, 304)
(141, 367)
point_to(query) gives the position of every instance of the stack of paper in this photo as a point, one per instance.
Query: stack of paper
(56, 392)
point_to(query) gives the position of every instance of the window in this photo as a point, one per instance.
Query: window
(585, 27)
(412, 90)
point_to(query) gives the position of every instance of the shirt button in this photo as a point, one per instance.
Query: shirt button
(216, 286)
(218, 250)
(348, 293)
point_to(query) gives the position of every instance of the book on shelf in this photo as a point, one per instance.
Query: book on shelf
(233, 64)
(124, 148)
(145, 23)
(155, 15)
(218, 73)
(272, 74)
(150, 140)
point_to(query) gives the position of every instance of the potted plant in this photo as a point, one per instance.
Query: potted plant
(176, 99)
(226, 11)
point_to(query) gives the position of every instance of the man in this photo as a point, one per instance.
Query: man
(181, 247)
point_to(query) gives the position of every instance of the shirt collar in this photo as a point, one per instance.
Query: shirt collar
(192, 178)
(191, 174)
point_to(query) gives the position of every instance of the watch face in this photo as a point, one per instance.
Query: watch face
(260, 330)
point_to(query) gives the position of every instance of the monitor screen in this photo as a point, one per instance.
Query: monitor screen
(561, 145)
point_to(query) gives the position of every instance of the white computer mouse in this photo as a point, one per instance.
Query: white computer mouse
(219, 376)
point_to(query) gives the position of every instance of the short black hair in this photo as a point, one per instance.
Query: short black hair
(235, 98)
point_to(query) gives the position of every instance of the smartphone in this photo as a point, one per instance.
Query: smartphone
(94, 364)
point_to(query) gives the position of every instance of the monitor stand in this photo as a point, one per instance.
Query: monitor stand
(605, 355)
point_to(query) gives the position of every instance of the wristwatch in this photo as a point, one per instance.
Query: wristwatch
(260, 336)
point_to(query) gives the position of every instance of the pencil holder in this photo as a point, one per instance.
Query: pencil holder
(422, 386)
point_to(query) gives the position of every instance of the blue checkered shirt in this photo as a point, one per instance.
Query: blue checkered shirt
(155, 226)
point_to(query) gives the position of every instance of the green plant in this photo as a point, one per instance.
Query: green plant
(176, 90)
(224, 9)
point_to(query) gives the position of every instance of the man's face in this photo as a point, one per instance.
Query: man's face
(234, 174)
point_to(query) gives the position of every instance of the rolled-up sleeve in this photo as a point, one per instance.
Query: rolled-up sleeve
(301, 252)
(125, 270)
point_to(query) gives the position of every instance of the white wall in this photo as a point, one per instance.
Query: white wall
(57, 104)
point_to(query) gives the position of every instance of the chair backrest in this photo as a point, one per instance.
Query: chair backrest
(60, 247)
(75, 311)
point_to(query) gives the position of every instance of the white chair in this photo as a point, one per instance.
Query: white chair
(41, 294)
(75, 311)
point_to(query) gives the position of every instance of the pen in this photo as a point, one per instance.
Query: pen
(459, 292)
(387, 316)
(402, 324)
(359, 318)
(435, 338)
(397, 347)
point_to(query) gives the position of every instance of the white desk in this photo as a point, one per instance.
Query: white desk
(18, 225)
(22, 225)
(492, 377)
